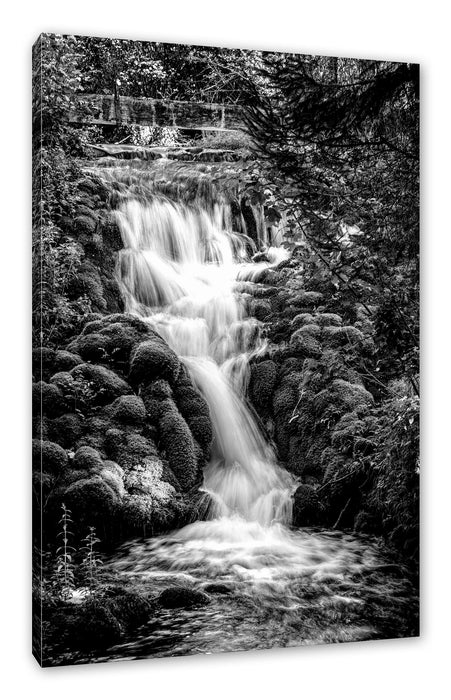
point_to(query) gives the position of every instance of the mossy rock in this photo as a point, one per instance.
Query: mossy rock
(263, 382)
(131, 609)
(66, 430)
(105, 384)
(65, 361)
(342, 397)
(305, 343)
(88, 459)
(128, 409)
(326, 319)
(259, 309)
(49, 457)
(182, 597)
(337, 337)
(202, 431)
(130, 449)
(47, 399)
(91, 500)
(153, 359)
(93, 347)
(302, 320)
(43, 363)
(178, 443)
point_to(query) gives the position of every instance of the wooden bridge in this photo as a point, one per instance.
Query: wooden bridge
(109, 110)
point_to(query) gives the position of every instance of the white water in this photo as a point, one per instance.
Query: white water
(179, 270)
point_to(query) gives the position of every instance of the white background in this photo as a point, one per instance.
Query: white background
(393, 30)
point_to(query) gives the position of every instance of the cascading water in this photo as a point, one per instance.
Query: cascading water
(187, 273)
(179, 270)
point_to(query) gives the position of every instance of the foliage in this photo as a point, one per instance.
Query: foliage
(339, 144)
(91, 563)
(71, 568)
(63, 578)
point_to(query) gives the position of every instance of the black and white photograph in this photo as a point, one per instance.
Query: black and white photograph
(225, 262)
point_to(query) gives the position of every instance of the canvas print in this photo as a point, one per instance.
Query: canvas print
(225, 350)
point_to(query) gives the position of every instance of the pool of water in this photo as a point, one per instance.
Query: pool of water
(268, 587)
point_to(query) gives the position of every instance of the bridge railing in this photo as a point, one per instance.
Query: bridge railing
(110, 111)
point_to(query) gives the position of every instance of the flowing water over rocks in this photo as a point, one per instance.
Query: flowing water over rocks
(187, 271)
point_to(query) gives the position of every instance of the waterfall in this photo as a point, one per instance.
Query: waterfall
(190, 274)
(182, 269)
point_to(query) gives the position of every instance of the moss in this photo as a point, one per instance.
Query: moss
(194, 409)
(342, 397)
(345, 432)
(137, 510)
(305, 344)
(284, 402)
(88, 283)
(202, 431)
(65, 361)
(313, 459)
(88, 459)
(286, 395)
(328, 320)
(113, 475)
(105, 384)
(42, 363)
(84, 224)
(93, 347)
(296, 454)
(111, 232)
(304, 298)
(263, 382)
(311, 328)
(47, 399)
(259, 309)
(122, 338)
(90, 500)
(345, 335)
(153, 359)
(128, 409)
(132, 450)
(40, 427)
(66, 429)
(48, 456)
(178, 444)
(302, 320)
(114, 438)
(307, 509)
